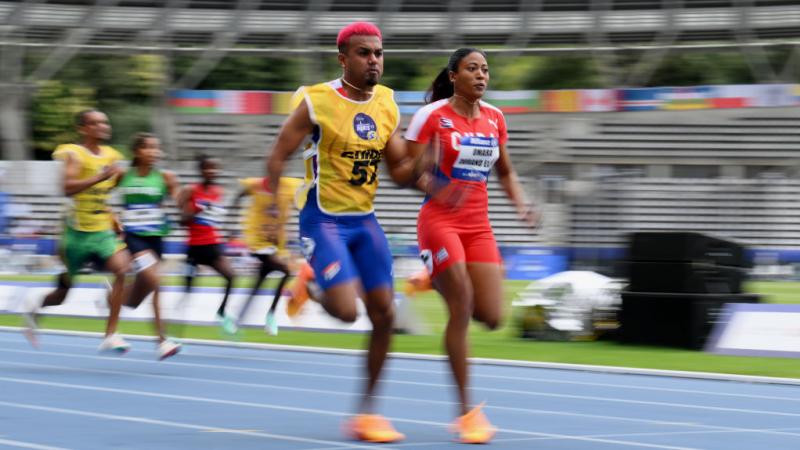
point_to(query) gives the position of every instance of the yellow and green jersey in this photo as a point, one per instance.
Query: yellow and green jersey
(90, 210)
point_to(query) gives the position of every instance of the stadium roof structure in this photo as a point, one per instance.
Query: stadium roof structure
(212, 29)
(256, 26)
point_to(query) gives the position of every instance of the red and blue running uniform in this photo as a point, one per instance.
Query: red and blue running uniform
(204, 237)
(468, 150)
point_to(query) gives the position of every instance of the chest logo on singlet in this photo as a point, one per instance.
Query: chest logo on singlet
(365, 127)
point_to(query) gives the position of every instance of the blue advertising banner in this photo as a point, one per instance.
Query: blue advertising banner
(642, 99)
(533, 263)
(3, 213)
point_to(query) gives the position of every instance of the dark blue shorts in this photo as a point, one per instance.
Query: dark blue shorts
(137, 243)
(341, 248)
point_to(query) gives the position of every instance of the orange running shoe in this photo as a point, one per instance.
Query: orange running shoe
(294, 306)
(372, 428)
(473, 427)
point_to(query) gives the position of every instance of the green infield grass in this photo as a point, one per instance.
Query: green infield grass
(503, 343)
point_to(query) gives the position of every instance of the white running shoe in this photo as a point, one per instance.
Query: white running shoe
(114, 343)
(31, 327)
(229, 326)
(30, 317)
(271, 325)
(168, 348)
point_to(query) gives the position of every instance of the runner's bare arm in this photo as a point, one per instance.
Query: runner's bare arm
(186, 207)
(296, 127)
(507, 177)
(173, 185)
(72, 169)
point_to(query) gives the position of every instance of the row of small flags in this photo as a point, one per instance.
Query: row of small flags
(229, 102)
(521, 102)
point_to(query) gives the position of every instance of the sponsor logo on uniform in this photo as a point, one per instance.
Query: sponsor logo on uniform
(441, 255)
(365, 127)
(331, 270)
(445, 123)
(307, 246)
(493, 122)
(427, 259)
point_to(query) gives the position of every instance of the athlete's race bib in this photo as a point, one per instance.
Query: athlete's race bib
(476, 156)
(142, 218)
(210, 215)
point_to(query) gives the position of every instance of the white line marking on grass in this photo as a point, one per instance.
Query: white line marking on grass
(165, 423)
(21, 444)
(433, 385)
(475, 361)
(314, 411)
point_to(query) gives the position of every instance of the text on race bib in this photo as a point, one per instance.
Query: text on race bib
(138, 217)
(211, 214)
(476, 156)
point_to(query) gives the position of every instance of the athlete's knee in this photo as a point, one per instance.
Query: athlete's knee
(461, 310)
(491, 322)
(380, 309)
(344, 312)
(64, 282)
(348, 316)
(149, 277)
(284, 270)
(228, 276)
(383, 320)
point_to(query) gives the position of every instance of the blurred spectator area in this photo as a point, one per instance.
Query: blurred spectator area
(596, 176)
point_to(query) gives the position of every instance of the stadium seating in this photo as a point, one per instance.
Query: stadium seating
(759, 211)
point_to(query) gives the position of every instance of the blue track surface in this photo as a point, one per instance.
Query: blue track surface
(210, 397)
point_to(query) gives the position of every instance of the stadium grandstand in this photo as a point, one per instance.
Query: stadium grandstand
(598, 176)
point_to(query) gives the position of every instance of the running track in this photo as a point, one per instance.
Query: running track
(66, 396)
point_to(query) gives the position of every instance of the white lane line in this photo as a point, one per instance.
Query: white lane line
(316, 411)
(476, 375)
(596, 436)
(425, 357)
(529, 393)
(488, 376)
(604, 417)
(165, 423)
(773, 431)
(31, 445)
(439, 444)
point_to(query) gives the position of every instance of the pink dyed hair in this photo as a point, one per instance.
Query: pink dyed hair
(357, 28)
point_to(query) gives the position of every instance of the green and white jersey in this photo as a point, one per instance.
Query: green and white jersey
(142, 198)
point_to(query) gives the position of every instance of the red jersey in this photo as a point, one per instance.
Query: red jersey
(209, 213)
(468, 148)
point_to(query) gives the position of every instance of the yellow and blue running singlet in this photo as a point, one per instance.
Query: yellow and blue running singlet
(347, 146)
(90, 210)
(339, 234)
